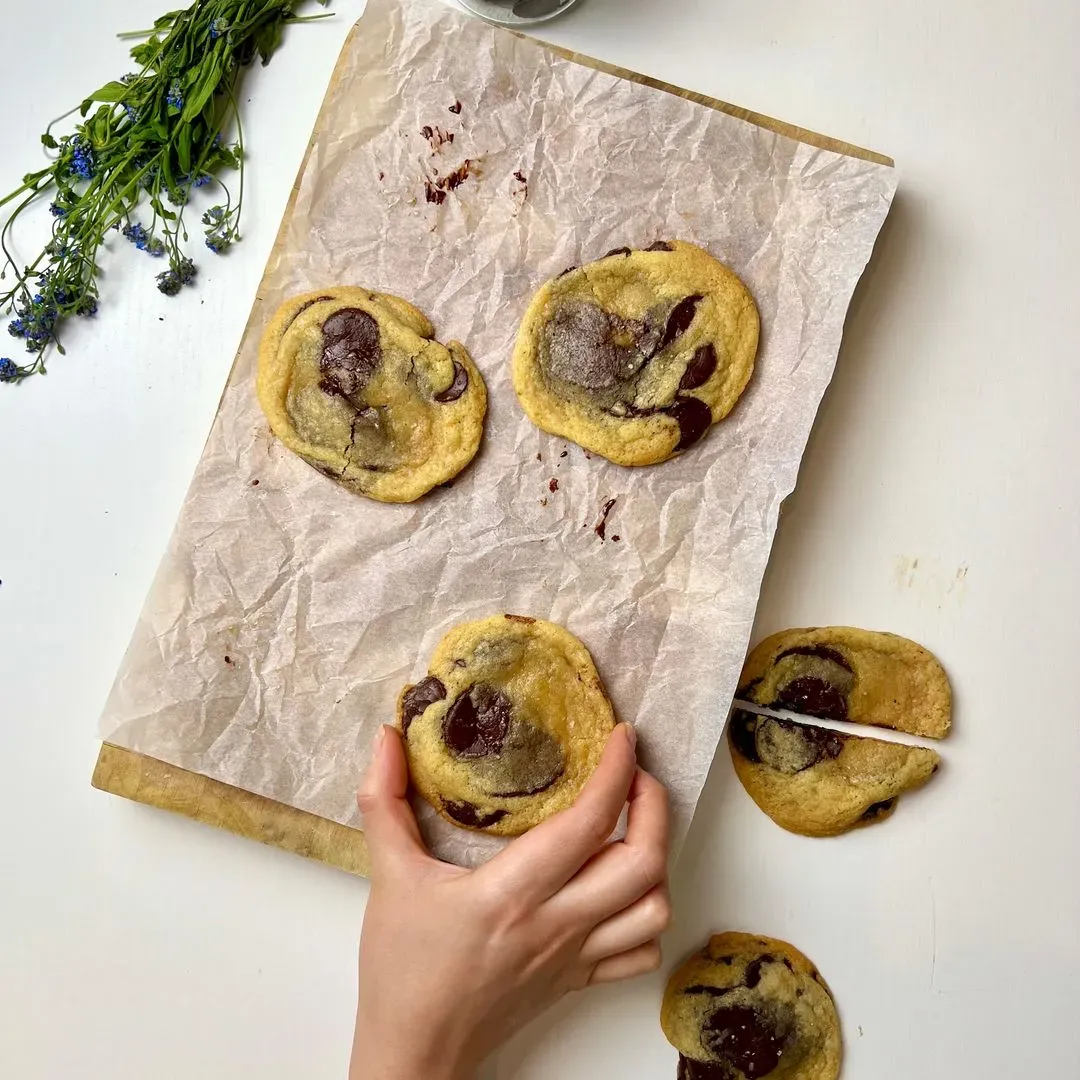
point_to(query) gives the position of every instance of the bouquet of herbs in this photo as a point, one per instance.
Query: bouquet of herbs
(143, 144)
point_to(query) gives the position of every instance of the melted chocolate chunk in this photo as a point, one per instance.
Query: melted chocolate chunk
(701, 1070)
(417, 698)
(743, 734)
(694, 418)
(700, 369)
(580, 346)
(601, 526)
(476, 724)
(813, 696)
(877, 810)
(660, 245)
(745, 1038)
(351, 351)
(468, 813)
(617, 251)
(679, 320)
(456, 388)
(822, 652)
(791, 748)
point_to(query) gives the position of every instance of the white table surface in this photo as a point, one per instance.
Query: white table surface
(939, 498)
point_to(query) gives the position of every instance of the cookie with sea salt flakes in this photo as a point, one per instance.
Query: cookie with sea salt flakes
(818, 782)
(635, 356)
(843, 673)
(507, 726)
(355, 384)
(746, 1007)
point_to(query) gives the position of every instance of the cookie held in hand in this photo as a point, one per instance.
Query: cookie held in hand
(635, 356)
(353, 382)
(507, 726)
(818, 782)
(842, 673)
(746, 1007)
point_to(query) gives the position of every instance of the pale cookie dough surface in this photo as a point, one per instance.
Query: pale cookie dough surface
(842, 673)
(817, 782)
(746, 1007)
(635, 356)
(508, 725)
(353, 382)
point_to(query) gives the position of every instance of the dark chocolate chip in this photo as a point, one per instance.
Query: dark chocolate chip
(708, 991)
(617, 251)
(753, 970)
(814, 697)
(700, 369)
(469, 814)
(743, 729)
(702, 1070)
(351, 351)
(878, 810)
(660, 245)
(694, 418)
(823, 652)
(476, 724)
(417, 698)
(456, 107)
(303, 307)
(456, 388)
(682, 315)
(601, 526)
(743, 1037)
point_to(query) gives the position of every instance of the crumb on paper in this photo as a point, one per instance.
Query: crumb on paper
(543, 502)
(382, 175)
(437, 137)
(564, 453)
(520, 189)
(553, 485)
(539, 457)
(436, 186)
(229, 660)
(601, 525)
(254, 483)
(456, 107)
(616, 538)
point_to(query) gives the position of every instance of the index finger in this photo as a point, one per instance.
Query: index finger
(538, 864)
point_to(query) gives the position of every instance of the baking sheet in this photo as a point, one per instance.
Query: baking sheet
(287, 613)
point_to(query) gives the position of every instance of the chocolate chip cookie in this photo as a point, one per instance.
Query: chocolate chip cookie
(355, 384)
(746, 1007)
(508, 725)
(635, 356)
(841, 673)
(818, 782)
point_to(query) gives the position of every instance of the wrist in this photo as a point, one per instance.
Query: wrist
(384, 1055)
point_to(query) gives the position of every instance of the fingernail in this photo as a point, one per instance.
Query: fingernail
(631, 736)
(380, 738)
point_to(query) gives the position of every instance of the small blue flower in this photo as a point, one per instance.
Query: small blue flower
(175, 99)
(137, 235)
(132, 113)
(217, 28)
(187, 271)
(214, 216)
(155, 248)
(87, 306)
(82, 158)
(202, 180)
(9, 370)
(17, 328)
(169, 282)
(57, 211)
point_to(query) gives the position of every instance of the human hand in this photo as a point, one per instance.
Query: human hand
(454, 961)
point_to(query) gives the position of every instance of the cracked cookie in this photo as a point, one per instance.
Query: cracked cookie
(746, 1007)
(508, 724)
(841, 673)
(354, 383)
(635, 356)
(818, 782)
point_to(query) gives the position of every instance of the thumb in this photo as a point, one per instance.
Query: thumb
(393, 836)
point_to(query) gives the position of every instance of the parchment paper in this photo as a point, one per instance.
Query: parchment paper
(288, 613)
